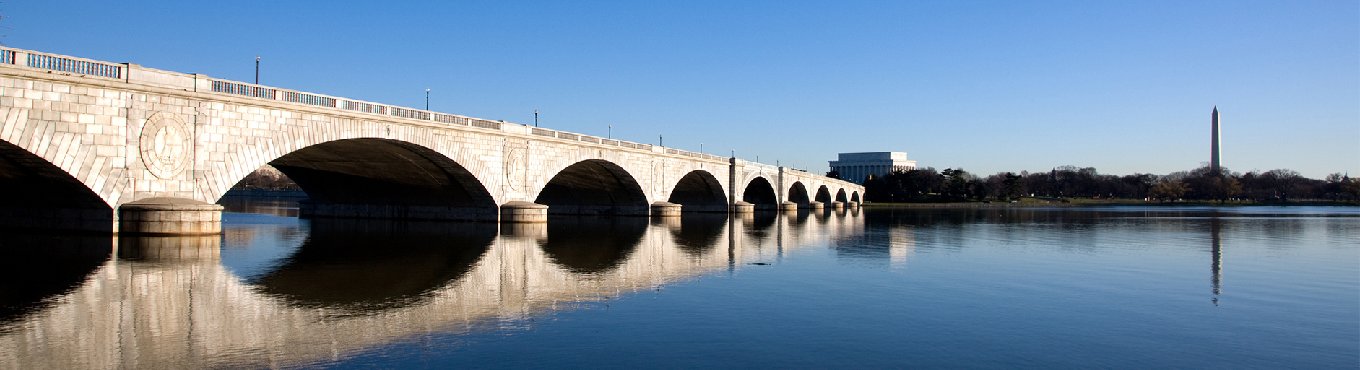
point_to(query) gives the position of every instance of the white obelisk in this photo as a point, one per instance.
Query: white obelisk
(1214, 164)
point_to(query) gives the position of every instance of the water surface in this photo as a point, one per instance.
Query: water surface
(1123, 287)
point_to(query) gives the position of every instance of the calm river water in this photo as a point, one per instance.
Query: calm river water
(1118, 287)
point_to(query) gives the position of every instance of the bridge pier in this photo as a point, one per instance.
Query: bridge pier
(852, 204)
(170, 216)
(838, 206)
(816, 206)
(524, 212)
(788, 206)
(665, 209)
(742, 207)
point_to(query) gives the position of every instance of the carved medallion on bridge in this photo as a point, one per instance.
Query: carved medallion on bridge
(515, 168)
(166, 145)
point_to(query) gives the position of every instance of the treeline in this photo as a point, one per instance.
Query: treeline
(267, 178)
(1201, 184)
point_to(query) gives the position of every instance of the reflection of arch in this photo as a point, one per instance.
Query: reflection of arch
(854, 196)
(823, 195)
(592, 245)
(593, 186)
(840, 196)
(798, 194)
(368, 265)
(40, 195)
(761, 225)
(387, 179)
(37, 267)
(760, 193)
(699, 191)
(699, 232)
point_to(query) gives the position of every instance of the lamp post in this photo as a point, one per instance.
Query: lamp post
(701, 148)
(257, 69)
(427, 99)
(609, 134)
(535, 117)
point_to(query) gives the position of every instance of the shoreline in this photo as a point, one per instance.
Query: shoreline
(1081, 204)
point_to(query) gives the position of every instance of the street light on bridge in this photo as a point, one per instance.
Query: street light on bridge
(427, 99)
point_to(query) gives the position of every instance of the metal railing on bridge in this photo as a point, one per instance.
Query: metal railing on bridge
(62, 63)
(236, 88)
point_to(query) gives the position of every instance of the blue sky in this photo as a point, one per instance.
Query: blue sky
(1123, 86)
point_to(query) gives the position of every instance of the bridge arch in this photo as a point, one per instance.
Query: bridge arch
(854, 196)
(593, 187)
(760, 193)
(699, 191)
(385, 178)
(840, 196)
(311, 130)
(823, 195)
(41, 195)
(798, 194)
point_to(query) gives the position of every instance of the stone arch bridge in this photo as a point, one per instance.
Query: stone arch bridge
(94, 145)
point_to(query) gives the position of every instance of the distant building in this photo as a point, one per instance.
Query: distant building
(854, 167)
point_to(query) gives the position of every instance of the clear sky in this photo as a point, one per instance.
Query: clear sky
(1123, 86)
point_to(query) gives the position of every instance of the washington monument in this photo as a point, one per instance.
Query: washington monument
(1214, 164)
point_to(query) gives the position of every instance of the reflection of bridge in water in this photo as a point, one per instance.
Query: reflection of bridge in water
(355, 285)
